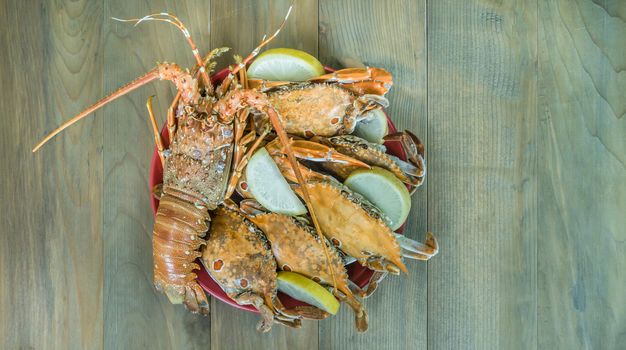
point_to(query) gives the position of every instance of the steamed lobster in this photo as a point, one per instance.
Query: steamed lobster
(210, 147)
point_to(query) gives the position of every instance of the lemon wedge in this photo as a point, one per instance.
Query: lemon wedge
(384, 190)
(307, 290)
(269, 187)
(285, 65)
(373, 127)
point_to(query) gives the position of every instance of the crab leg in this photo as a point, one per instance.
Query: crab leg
(307, 312)
(317, 152)
(241, 164)
(378, 263)
(287, 170)
(267, 315)
(355, 289)
(360, 315)
(414, 149)
(377, 277)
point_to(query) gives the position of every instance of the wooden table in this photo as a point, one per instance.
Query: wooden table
(521, 105)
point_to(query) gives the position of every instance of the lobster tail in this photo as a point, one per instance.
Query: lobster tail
(181, 223)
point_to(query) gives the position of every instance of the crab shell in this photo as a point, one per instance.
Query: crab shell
(355, 226)
(310, 109)
(239, 259)
(374, 155)
(298, 248)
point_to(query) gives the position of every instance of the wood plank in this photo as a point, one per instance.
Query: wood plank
(582, 175)
(240, 24)
(51, 245)
(393, 37)
(136, 315)
(482, 124)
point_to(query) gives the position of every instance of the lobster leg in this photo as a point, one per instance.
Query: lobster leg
(155, 130)
(171, 115)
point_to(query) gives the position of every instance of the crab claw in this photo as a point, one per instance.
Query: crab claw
(412, 249)
(315, 152)
(414, 149)
(368, 80)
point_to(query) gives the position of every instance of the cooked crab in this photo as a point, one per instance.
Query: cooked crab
(348, 220)
(328, 105)
(239, 259)
(297, 248)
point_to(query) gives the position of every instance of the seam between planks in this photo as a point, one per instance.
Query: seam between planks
(536, 174)
(426, 155)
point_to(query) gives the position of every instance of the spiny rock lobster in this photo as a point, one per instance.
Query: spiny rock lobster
(207, 151)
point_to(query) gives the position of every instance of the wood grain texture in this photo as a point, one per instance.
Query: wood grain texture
(582, 175)
(240, 25)
(393, 37)
(51, 245)
(135, 314)
(482, 124)
(525, 190)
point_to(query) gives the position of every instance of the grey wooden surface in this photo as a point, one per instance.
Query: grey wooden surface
(521, 105)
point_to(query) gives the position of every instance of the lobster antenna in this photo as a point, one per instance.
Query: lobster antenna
(226, 83)
(142, 80)
(266, 40)
(175, 21)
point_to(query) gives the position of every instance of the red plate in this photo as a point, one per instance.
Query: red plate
(357, 273)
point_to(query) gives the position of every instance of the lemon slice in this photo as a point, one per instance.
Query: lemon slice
(285, 65)
(307, 290)
(373, 127)
(269, 187)
(384, 190)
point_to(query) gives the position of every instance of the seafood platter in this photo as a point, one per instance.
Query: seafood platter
(279, 186)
